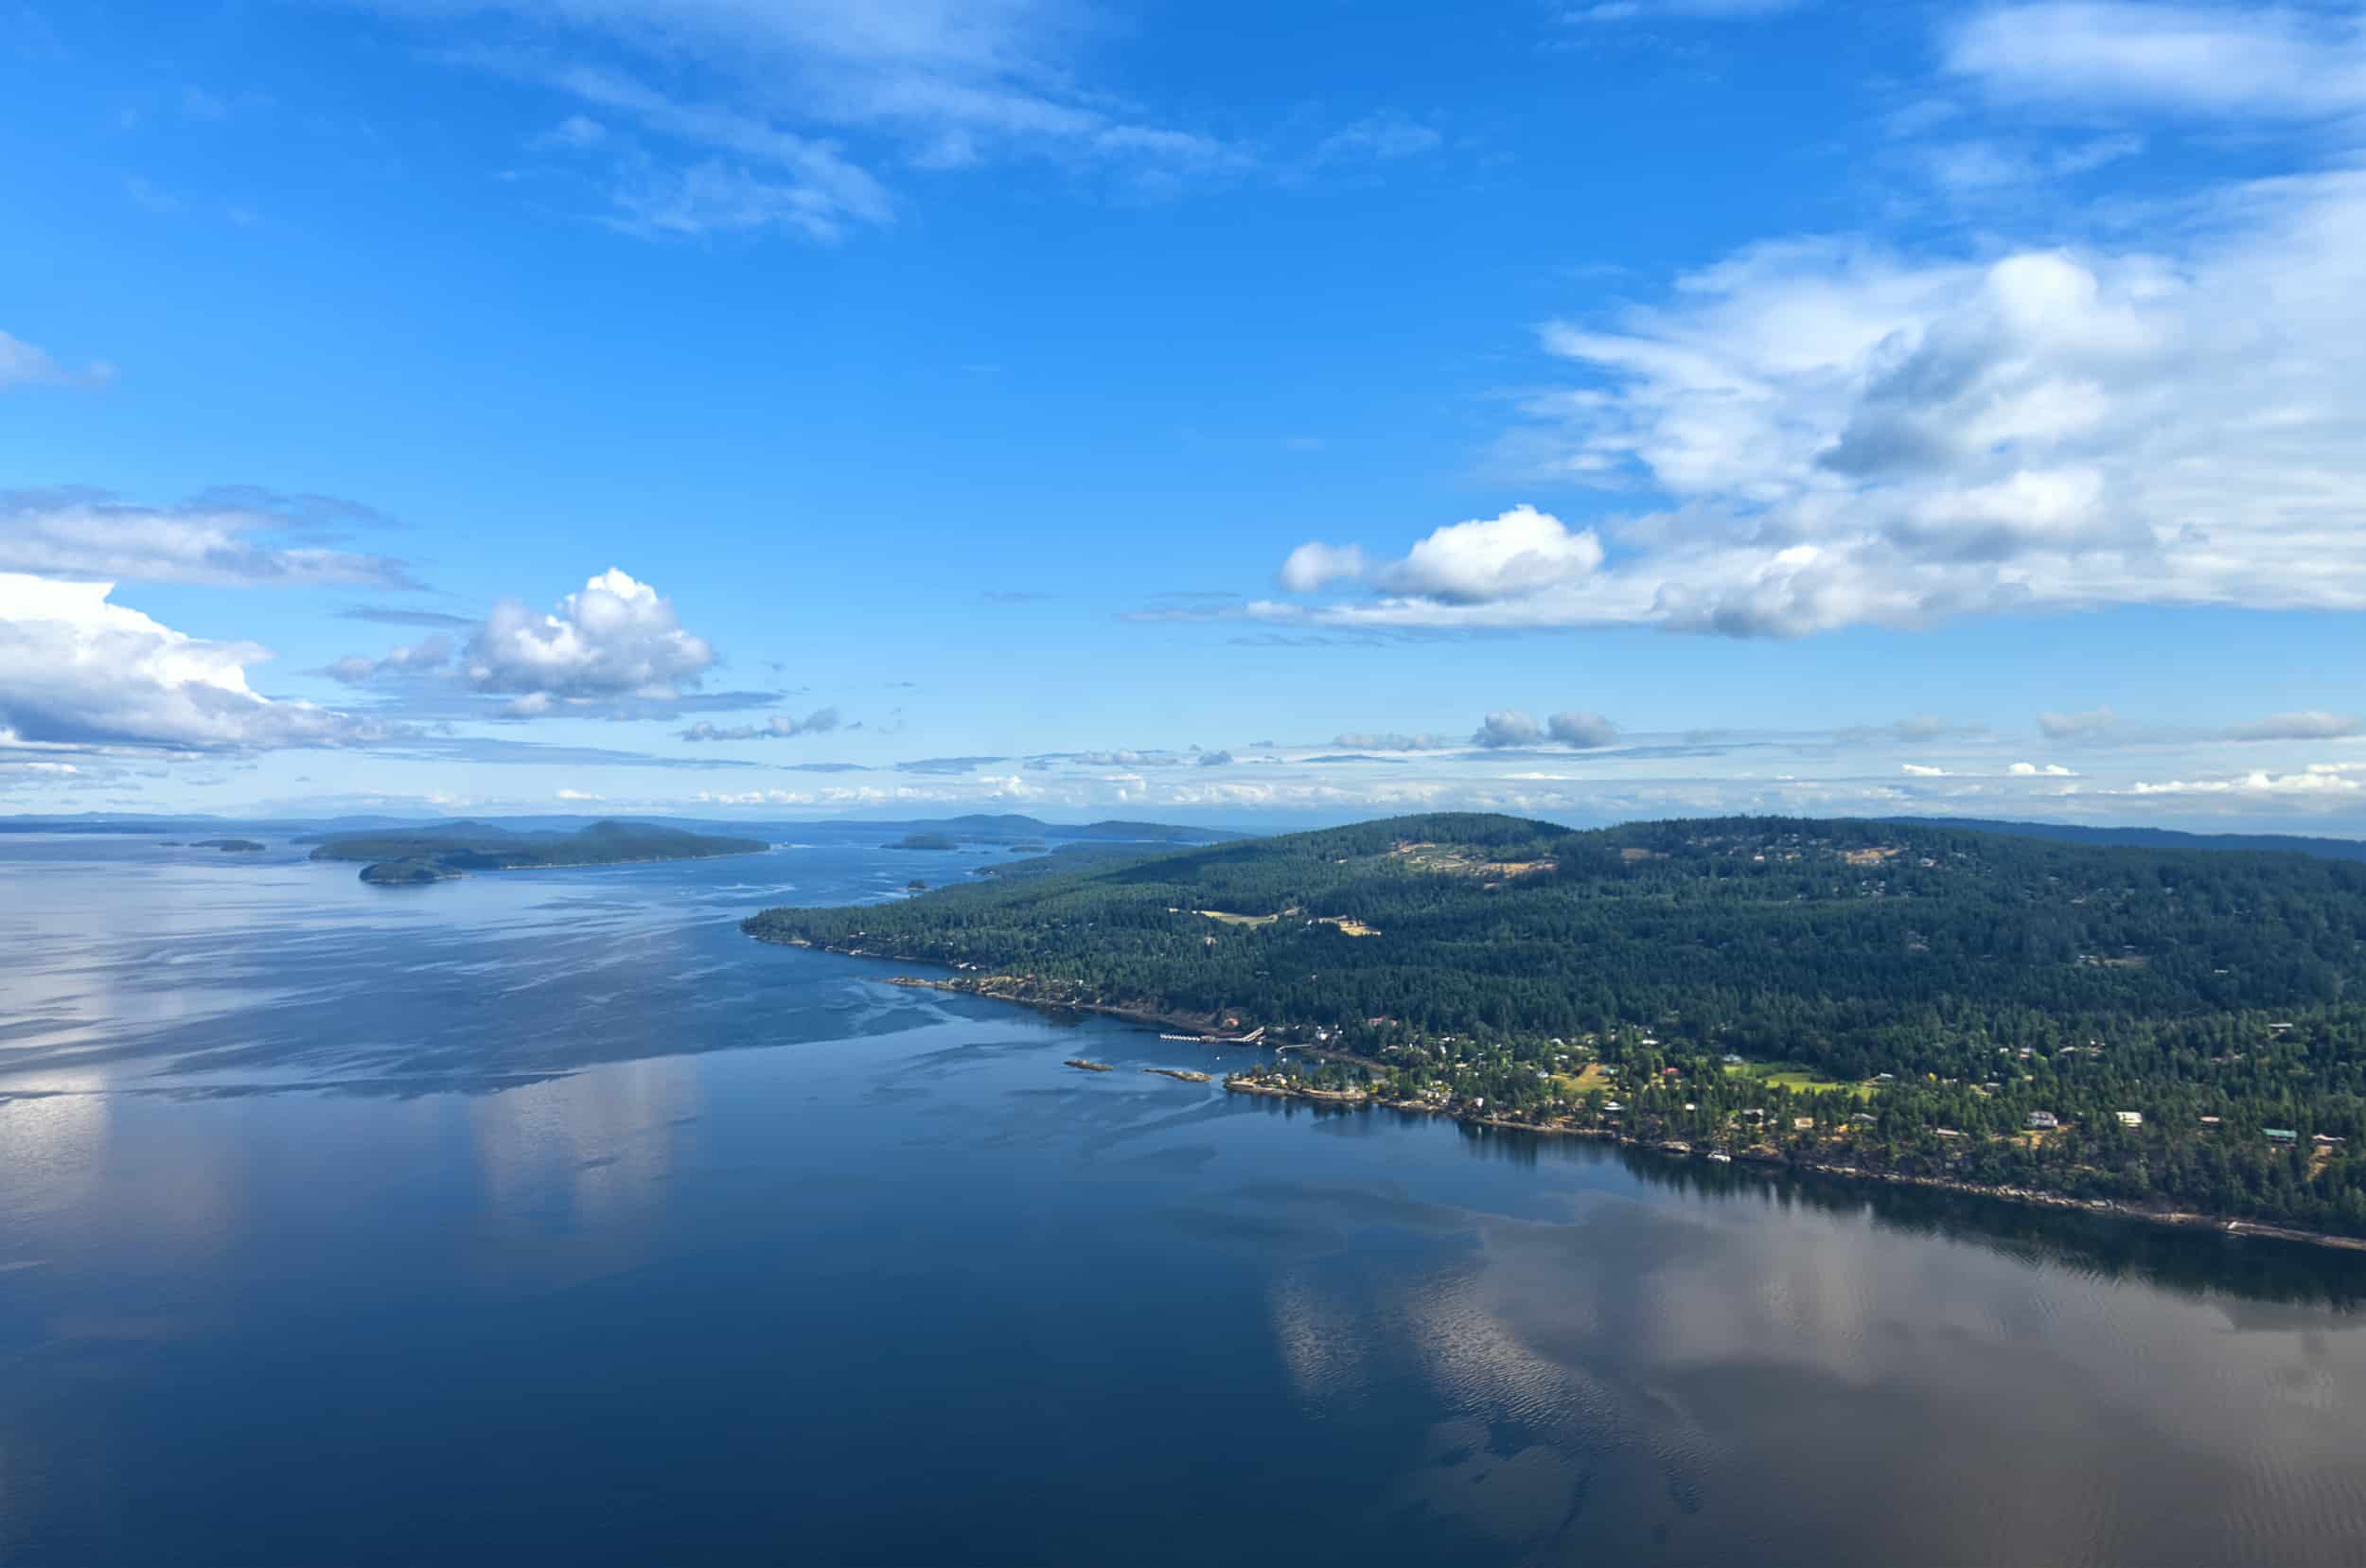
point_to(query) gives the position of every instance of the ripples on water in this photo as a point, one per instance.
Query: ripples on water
(543, 1217)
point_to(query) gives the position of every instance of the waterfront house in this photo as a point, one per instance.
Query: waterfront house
(2044, 1120)
(2281, 1134)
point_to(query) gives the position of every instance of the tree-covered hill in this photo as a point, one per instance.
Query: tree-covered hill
(1988, 975)
(1857, 946)
(398, 855)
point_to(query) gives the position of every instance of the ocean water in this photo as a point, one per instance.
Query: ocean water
(540, 1217)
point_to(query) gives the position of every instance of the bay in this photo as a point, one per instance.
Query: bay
(540, 1217)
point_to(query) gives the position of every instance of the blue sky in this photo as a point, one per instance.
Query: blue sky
(779, 407)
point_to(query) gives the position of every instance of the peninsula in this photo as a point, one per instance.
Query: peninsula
(405, 856)
(2175, 1031)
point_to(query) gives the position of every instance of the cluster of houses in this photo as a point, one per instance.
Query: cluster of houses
(2047, 1121)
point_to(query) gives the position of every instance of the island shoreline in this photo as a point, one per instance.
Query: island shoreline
(1358, 1100)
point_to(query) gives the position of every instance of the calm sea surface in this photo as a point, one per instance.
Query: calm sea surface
(543, 1217)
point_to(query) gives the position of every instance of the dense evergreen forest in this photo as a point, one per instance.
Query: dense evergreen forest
(1934, 989)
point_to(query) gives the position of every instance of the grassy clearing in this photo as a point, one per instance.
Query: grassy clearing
(1591, 1076)
(1228, 918)
(1799, 1080)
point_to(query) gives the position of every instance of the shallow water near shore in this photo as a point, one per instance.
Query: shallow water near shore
(546, 1219)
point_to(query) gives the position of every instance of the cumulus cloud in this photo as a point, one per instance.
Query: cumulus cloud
(2087, 725)
(1520, 553)
(2032, 770)
(1823, 433)
(822, 722)
(2313, 724)
(1215, 759)
(1583, 731)
(221, 537)
(1921, 770)
(1507, 727)
(22, 364)
(79, 670)
(615, 638)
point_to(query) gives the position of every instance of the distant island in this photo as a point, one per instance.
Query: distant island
(924, 841)
(2179, 1033)
(229, 846)
(410, 857)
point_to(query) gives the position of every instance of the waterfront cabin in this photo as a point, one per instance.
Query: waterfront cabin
(2043, 1121)
(2327, 1141)
(2281, 1134)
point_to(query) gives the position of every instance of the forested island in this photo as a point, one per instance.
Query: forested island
(2171, 1031)
(406, 856)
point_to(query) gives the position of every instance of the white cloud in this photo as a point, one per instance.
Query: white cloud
(22, 364)
(217, 538)
(1315, 565)
(78, 670)
(2313, 782)
(1821, 433)
(1519, 553)
(2313, 724)
(2264, 62)
(2032, 770)
(1921, 770)
(578, 795)
(747, 134)
(616, 637)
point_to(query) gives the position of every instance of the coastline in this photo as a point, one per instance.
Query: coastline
(1360, 1100)
(2028, 1197)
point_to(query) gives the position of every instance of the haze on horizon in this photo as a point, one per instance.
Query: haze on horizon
(1224, 414)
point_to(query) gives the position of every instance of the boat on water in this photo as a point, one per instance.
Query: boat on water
(1721, 1157)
